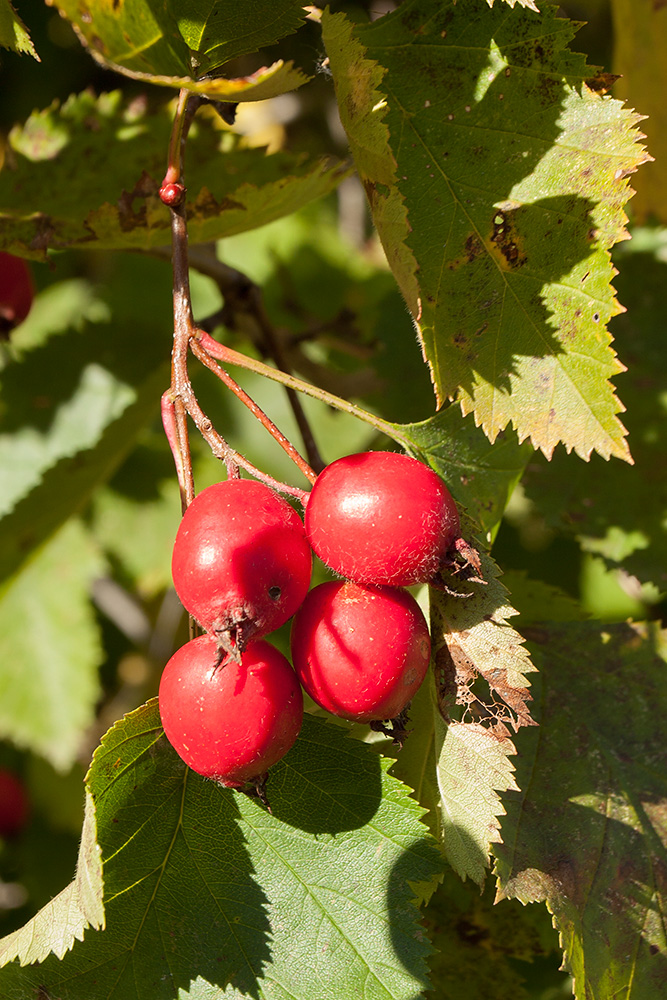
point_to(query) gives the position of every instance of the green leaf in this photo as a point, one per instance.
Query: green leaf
(13, 33)
(140, 533)
(63, 921)
(587, 833)
(46, 201)
(74, 405)
(480, 476)
(457, 770)
(497, 177)
(50, 648)
(456, 766)
(206, 893)
(176, 38)
(621, 513)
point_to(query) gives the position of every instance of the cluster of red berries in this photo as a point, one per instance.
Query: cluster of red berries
(231, 704)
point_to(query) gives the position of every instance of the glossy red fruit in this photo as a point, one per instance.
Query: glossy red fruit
(230, 722)
(241, 562)
(381, 518)
(13, 804)
(17, 291)
(360, 652)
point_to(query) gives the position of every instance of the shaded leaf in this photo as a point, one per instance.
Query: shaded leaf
(177, 38)
(621, 513)
(457, 770)
(481, 476)
(47, 202)
(587, 832)
(484, 951)
(229, 900)
(74, 405)
(13, 33)
(50, 648)
(497, 179)
(537, 601)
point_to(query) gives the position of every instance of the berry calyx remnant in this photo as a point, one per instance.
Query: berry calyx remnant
(17, 291)
(360, 652)
(230, 721)
(381, 518)
(241, 562)
(13, 804)
(172, 194)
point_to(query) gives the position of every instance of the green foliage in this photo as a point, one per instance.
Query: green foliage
(257, 903)
(496, 168)
(178, 39)
(119, 208)
(620, 513)
(586, 832)
(497, 235)
(480, 475)
(13, 32)
(46, 621)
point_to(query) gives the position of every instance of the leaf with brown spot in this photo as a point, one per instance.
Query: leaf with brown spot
(42, 207)
(501, 182)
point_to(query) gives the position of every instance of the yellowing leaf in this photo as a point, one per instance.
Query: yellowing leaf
(497, 174)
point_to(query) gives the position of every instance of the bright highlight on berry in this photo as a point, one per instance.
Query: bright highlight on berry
(381, 518)
(230, 721)
(241, 563)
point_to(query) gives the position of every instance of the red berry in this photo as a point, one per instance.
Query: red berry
(16, 291)
(230, 722)
(13, 804)
(172, 194)
(381, 518)
(241, 563)
(360, 652)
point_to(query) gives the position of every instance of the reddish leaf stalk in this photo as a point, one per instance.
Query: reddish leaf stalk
(179, 401)
(256, 410)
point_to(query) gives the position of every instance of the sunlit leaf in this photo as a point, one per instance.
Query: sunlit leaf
(178, 38)
(63, 921)
(457, 770)
(13, 33)
(230, 900)
(75, 402)
(481, 661)
(497, 175)
(50, 648)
